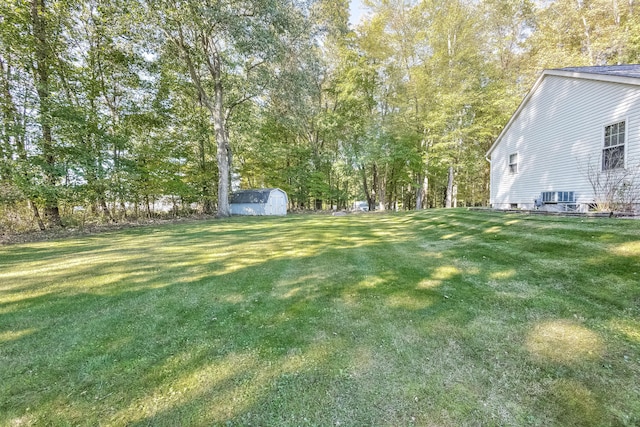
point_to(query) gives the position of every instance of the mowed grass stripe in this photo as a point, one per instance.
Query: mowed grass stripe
(444, 317)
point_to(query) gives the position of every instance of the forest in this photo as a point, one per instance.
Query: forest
(109, 107)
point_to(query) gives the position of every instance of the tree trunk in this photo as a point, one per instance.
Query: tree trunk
(43, 57)
(224, 150)
(8, 121)
(11, 128)
(36, 214)
(374, 188)
(148, 206)
(454, 196)
(382, 190)
(421, 196)
(102, 202)
(587, 33)
(216, 109)
(365, 188)
(123, 208)
(205, 195)
(449, 196)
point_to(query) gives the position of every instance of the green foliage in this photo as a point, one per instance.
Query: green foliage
(109, 104)
(590, 32)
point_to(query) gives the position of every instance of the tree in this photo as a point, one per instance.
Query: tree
(585, 32)
(31, 101)
(224, 47)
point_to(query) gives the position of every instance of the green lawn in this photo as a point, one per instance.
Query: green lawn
(437, 318)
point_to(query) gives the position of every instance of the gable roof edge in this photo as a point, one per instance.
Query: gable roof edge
(515, 115)
(588, 75)
(560, 73)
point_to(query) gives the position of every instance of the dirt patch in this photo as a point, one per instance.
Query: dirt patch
(8, 238)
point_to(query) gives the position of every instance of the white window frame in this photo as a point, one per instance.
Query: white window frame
(614, 145)
(512, 167)
(548, 197)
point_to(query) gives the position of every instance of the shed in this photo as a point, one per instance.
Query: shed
(573, 143)
(264, 201)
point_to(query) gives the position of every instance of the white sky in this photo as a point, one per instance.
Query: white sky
(357, 12)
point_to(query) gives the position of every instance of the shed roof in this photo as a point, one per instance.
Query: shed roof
(251, 196)
(625, 74)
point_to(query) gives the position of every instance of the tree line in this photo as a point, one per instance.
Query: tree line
(108, 106)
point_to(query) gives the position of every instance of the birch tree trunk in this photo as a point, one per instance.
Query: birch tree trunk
(421, 196)
(449, 198)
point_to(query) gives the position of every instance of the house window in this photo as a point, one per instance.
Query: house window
(613, 151)
(558, 197)
(513, 163)
(548, 197)
(565, 197)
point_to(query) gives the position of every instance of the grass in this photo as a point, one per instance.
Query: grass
(437, 318)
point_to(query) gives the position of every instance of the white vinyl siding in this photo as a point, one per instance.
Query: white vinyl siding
(558, 135)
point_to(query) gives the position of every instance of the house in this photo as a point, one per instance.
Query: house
(572, 144)
(265, 201)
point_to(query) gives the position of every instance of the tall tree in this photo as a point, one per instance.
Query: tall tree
(224, 47)
(44, 58)
(585, 32)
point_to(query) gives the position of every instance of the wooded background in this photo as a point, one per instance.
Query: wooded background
(108, 106)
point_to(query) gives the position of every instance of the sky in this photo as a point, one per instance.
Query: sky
(357, 12)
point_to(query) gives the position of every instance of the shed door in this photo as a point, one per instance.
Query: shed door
(278, 206)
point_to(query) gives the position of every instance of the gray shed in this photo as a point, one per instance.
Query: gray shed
(264, 201)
